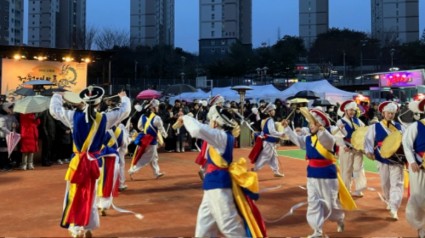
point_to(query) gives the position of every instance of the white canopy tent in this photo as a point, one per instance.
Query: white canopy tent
(322, 88)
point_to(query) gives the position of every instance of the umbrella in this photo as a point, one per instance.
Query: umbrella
(50, 91)
(298, 100)
(32, 104)
(148, 94)
(12, 140)
(307, 94)
(39, 82)
(178, 89)
(25, 91)
(321, 102)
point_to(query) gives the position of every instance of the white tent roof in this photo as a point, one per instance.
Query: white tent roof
(267, 92)
(322, 88)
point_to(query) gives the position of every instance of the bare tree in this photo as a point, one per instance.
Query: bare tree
(91, 33)
(108, 38)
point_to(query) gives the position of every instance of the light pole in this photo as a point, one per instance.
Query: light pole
(182, 75)
(262, 72)
(392, 51)
(363, 44)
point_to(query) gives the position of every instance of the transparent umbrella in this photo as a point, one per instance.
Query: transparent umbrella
(32, 104)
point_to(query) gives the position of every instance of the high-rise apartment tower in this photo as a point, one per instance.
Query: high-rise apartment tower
(11, 22)
(151, 22)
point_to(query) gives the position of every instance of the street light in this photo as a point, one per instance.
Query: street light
(262, 72)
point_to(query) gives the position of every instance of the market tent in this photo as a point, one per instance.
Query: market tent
(323, 88)
(266, 92)
(191, 96)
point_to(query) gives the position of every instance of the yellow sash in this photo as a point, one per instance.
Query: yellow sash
(345, 198)
(241, 177)
(146, 126)
(73, 164)
(117, 133)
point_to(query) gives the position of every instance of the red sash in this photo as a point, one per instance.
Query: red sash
(200, 159)
(85, 177)
(319, 163)
(141, 148)
(108, 183)
(256, 150)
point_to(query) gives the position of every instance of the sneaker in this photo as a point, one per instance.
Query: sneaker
(23, 167)
(388, 207)
(421, 233)
(357, 194)
(340, 227)
(394, 215)
(201, 174)
(30, 167)
(159, 175)
(131, 172)
(122, 188)
(59, 161)
(88, 234)
(277, 174)
(103, 212)
(317, 234)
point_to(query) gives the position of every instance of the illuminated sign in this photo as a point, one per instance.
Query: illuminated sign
(402, 78)
(71, 76)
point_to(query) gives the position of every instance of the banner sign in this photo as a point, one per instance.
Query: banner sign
(402, 78)
(71, 76)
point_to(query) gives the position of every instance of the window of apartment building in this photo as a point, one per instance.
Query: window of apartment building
(212, 33)
(213, 16)
(212, 7)
(212, 42)
(212, 24)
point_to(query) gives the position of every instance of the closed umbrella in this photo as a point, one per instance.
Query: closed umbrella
(12, 140)
(32, 104)
(148, 94)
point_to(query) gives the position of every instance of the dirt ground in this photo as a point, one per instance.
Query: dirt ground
(31, 203)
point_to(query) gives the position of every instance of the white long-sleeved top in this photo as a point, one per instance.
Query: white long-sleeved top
(157, 122)
(409, 137)
(325, 138)
(66, 116)
(214, 137)
(369, 144)
(272, 128)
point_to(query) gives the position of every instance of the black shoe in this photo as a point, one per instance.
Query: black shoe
(46, 164)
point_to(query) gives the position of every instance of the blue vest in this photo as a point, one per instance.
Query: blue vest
(419, 143)
(266, 132)
(151, 130)
(328, 172)
(82, 129)
(348, 128)
(380, 134)
(220, 178)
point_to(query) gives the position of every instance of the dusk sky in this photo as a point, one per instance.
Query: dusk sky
(269, 16)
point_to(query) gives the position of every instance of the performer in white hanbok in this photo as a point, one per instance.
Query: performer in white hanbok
(323, 189)
(350, 160)
(225, 207)
(152, 132)
(270, 137)
(88, 128)
(390, 171)
(414, 149)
